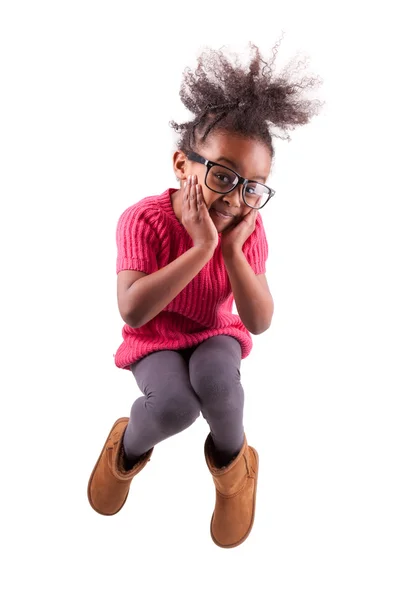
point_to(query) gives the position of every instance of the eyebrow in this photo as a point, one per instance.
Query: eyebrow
(234, 165)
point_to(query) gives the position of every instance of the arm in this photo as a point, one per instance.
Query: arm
(148, 295)
(251, 292)
(143, 289)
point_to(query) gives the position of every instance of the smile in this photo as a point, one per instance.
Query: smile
(220, 215)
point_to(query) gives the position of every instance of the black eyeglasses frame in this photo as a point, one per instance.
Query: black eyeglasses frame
(240, 180)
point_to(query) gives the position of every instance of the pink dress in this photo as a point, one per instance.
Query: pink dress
(149, 236)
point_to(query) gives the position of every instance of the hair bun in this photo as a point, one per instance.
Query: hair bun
(247, 99)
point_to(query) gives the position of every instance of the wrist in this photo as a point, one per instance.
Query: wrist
(206, 247)
(209, 245)
(231, 251)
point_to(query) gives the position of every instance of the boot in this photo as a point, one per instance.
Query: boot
(109, 482)
(236, 486)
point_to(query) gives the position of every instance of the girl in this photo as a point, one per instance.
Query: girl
(183, 257)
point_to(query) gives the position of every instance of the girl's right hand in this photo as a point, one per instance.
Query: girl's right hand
(195, 216)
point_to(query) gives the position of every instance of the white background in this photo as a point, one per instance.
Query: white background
(87, 91)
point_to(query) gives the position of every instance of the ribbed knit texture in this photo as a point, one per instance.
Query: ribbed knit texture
(149, 236)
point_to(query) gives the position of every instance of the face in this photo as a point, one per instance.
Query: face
(249, 158)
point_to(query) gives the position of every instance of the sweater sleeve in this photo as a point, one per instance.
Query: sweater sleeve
(256, 247)
(137, 240)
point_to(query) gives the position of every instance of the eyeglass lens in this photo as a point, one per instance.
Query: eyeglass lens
(223, 180)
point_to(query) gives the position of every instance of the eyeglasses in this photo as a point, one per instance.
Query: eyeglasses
(222, 180)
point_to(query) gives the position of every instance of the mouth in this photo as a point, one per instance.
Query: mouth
(222, 215)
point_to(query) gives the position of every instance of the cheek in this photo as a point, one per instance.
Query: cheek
(209, 197)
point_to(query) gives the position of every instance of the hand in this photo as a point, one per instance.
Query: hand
(235, 236)
(195, 216)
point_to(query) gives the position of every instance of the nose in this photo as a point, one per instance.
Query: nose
(234, 198)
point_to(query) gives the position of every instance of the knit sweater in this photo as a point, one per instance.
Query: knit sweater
(149, 236)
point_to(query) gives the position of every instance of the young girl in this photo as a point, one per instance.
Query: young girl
(183, 257)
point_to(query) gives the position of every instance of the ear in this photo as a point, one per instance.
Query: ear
(179, 162)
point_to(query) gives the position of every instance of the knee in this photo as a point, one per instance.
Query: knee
(220, 392)
(175, 413)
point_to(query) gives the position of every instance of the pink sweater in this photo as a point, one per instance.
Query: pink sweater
(149, 236)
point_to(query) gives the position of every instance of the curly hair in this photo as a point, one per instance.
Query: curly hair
(225, 95)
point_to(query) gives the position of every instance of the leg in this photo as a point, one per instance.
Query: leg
(169, 404)
(214, 370)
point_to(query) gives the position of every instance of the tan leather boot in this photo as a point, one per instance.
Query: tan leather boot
(109, 482)
(236, 486)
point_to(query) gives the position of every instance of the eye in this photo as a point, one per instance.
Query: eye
(250, 190)
(223, 177)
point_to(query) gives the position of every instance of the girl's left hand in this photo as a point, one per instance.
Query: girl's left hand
(235, 236)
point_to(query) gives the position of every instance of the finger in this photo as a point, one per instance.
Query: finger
(253, 219)
(189, 192)
(201, 202)
(200, 198)
(185, 196)
(193, 194)
(193, 201)
(251, 216)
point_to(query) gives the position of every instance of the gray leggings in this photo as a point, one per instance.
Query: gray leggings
(178, 385)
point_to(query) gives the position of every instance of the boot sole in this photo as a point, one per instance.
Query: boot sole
(94, 470)
(244, 538)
